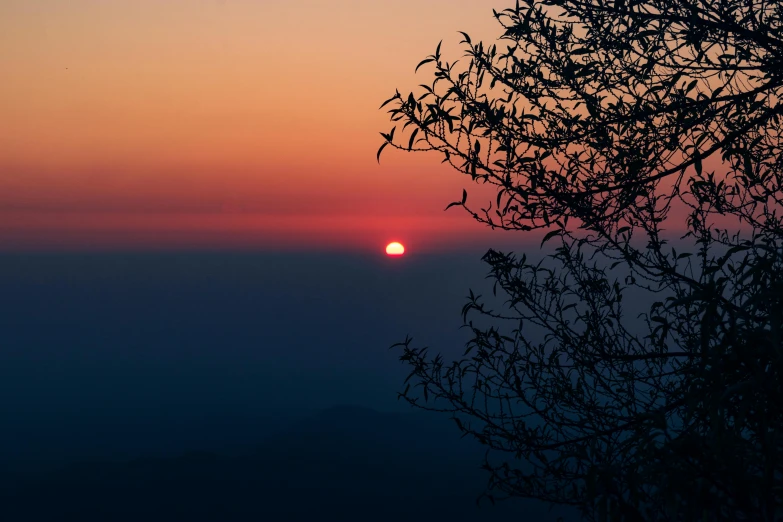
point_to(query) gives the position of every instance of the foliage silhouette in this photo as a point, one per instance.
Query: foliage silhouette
(602, 122)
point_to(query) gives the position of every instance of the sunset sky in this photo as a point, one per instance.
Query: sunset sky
(235, 123)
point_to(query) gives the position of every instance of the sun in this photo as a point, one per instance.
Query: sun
(395, 249)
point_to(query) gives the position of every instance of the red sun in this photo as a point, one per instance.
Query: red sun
(395, 249)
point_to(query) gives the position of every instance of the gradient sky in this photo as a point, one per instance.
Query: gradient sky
(235, 123)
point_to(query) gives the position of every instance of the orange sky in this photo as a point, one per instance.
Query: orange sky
(243, 123)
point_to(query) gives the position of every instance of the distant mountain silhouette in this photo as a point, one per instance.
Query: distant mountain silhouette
(344, 463)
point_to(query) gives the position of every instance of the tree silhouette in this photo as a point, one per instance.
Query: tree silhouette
(607, 123)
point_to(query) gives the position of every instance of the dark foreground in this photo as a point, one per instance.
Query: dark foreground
(342, 464)
(143, 387)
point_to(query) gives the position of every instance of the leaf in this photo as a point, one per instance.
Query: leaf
(397, 95)
(550, 236)
(748, 165)
(447, 156)
(378, 156)
(413, 136)
(425, 61)
(459, 203)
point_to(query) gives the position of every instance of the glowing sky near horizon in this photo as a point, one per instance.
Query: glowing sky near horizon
(253, 124)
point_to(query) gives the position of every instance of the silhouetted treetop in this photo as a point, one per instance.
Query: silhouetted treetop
(581, 109)
(607, 123)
